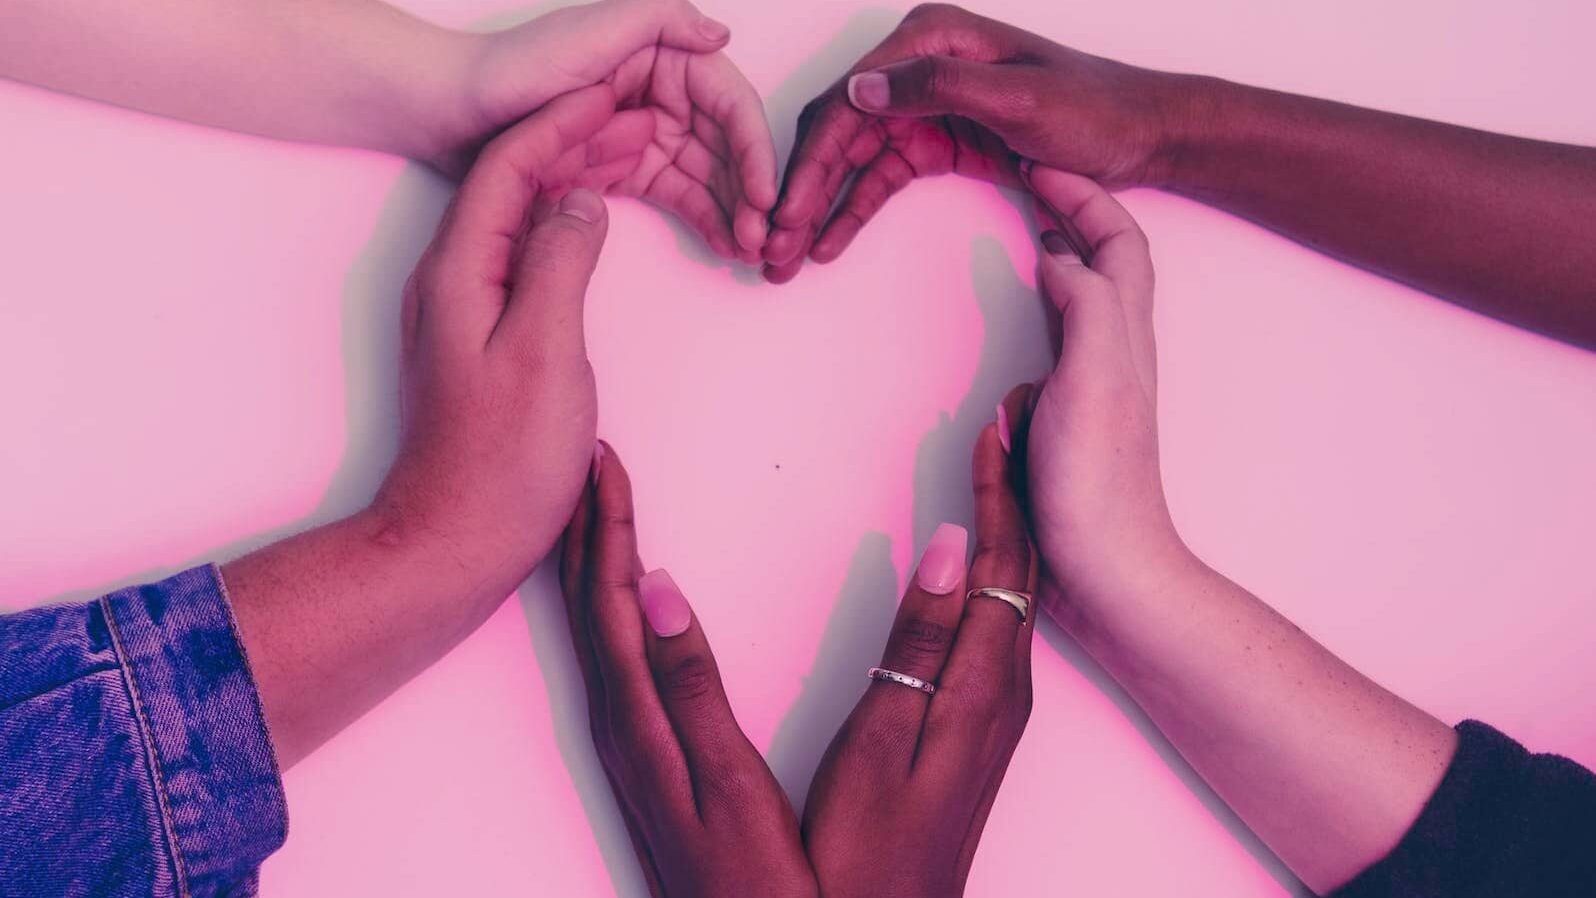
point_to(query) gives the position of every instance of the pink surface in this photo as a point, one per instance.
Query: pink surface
(196, 343)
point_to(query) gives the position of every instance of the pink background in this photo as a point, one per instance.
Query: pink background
(197, 346)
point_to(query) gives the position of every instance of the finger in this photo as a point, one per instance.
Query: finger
(557, 261)
(574, 586)
(883, 177)
(980, 693)
(996, 95)
(1014, 421)
(787, 249)
(1093, 322)
(475, 249)
(827, 127)
(645, 750)
(692, 202)
(1115, 244)
(733, 104)
(781, 274)
(1118, 250)
(610, 32)
(922, 634)
(719, 757)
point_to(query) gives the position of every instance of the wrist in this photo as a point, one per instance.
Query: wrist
(438, 550)
(1129, 582)
(438, 114)
(1191, 111)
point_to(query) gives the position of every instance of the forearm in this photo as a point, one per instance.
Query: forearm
(352, 72)
(335, 619)
(1328, 768)
(1495, 223)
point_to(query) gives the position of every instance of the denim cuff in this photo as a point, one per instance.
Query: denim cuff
(216, 779)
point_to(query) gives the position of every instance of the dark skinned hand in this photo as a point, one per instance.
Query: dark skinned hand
(903, 793)
(706, 816)
(953, 92)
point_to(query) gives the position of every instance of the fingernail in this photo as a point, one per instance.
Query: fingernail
(713, 30)
(663, 604)
(943, 561)
(1056, 243)
(869, 91)
(598, 461)
(1025, 169)
(582, 204)
(1003, 429)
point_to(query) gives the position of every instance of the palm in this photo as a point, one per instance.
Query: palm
(705, 158)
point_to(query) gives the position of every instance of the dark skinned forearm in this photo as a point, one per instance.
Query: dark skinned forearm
(1501, 225)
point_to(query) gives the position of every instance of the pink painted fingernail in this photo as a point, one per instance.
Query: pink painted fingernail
(663, 604)
(870, 91)
(598, 461)
(1003, 429)
(943, 562)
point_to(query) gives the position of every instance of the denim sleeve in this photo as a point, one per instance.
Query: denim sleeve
(1502, 822)
(134, 756)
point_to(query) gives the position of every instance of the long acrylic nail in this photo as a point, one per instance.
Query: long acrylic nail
(663, 604)
(943, 562)
(1004, 435)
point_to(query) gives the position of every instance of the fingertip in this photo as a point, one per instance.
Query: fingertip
(784, 246)
(780, 274)
(717, 33)
(794, 208)
(752, 230)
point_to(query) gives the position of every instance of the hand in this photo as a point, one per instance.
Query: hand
(1096, 496)
(498, 397)
(706, 817)
(903, 793)
(711, 161)
(951, 91)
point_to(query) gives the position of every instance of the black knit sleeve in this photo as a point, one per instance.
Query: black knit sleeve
(1503, 822)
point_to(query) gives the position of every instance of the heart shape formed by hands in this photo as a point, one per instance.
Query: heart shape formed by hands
(674, 123)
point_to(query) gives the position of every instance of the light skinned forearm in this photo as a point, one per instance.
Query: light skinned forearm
(1327, 767)
(1495, 223)
(347, 72)
(335, 619)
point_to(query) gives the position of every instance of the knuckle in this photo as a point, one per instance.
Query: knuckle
(1005, 557)
(984, 698)
(934, 11)
(688, 680)
(939, 76)
(880, 736)
(731, 788)
(631, 738)
(921, 638)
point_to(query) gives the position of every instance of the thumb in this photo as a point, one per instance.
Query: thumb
(989, 93)
(1093, 318)
(606, 33)
(558, 256)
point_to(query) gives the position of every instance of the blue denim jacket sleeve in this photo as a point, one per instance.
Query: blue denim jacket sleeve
(134, 756)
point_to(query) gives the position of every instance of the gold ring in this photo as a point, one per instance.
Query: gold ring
(1019, 601)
